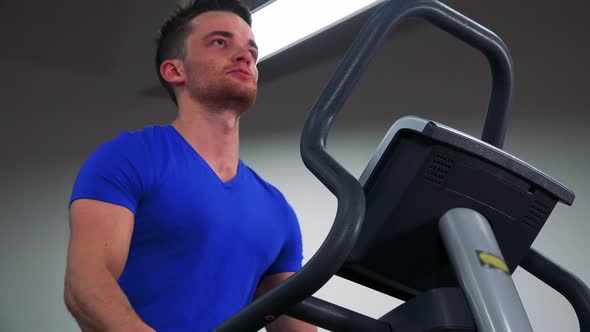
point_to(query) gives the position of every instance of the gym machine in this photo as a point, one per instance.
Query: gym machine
(439, 219)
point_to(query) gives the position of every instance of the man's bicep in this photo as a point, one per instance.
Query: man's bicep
(100, 233)
(290, 258)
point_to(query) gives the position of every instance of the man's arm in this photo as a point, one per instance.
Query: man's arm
(100, 235)
(283, 323)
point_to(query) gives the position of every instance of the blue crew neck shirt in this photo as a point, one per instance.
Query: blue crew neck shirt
(200, 246)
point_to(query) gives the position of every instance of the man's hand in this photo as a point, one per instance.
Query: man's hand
(283, 323)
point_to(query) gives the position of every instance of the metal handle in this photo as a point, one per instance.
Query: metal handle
(371, 39)
(335, 318)
(351, 200)
(563, 281)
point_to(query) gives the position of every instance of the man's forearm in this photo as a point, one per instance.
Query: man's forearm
(288, 324)
(98, 304)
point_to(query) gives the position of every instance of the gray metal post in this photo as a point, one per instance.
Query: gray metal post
(482, 272)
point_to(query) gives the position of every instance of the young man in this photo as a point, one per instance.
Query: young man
(170, 231)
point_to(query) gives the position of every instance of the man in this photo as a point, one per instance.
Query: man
(170, 231)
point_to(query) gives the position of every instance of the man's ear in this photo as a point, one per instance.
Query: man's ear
(173, 71)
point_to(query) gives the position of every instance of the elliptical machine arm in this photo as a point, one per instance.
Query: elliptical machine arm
(351, 200)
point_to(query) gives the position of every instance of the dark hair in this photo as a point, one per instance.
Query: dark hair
(176, 28)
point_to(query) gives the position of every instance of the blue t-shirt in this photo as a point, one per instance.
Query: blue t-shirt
(199, 246)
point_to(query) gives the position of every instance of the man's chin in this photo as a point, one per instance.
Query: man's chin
(244, 103)
(243, 95)
(240, 101)
(239, 96)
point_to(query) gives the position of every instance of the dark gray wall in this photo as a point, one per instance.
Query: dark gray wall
(75, 76)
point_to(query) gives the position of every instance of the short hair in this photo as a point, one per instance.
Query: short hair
(171, 40)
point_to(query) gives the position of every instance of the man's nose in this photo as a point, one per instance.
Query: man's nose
(243, 56)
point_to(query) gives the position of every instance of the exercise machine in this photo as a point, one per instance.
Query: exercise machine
(438, 218)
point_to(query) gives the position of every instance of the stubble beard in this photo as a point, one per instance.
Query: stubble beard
(221, 93)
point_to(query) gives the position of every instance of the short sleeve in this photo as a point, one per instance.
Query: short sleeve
(291, 256)
(114, 173)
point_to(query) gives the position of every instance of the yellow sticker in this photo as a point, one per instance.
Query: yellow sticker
(493, 261)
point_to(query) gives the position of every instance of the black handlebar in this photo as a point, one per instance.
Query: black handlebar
(351, 200)
(563, 281)
(371, 38)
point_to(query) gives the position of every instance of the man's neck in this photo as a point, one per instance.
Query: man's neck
(214, 134)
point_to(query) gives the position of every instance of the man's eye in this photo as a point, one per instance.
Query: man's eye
(218, 42)
(254, 54)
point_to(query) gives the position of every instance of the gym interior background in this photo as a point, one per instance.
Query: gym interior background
(75, 74)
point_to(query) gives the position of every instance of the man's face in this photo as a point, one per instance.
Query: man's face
(220, 61)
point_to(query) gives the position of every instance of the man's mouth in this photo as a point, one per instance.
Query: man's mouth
(241, 73)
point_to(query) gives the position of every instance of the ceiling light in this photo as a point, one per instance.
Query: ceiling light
(284, 23)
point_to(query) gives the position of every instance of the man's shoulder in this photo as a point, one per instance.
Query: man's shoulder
(129, 146)
(138, 138)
